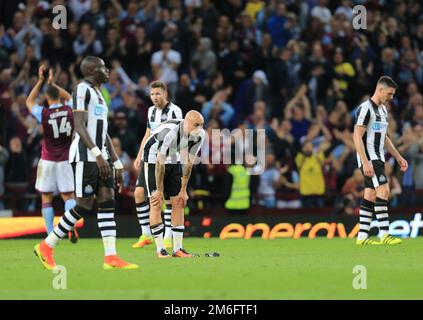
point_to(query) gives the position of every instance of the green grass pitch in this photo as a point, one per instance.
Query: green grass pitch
(247, 269)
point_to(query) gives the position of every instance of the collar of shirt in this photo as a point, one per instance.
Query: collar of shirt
(55, 105)
(373, 103)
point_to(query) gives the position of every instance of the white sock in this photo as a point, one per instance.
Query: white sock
(366, 217)
(52, 240)
(107, 226)
(167, 221)
(157, 232)
(109, 244)
(143, 213)
(362, 236)
(178, 235)
(382, 216)
(66, 223)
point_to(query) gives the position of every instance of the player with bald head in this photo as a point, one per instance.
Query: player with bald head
(193, 123)
(162, 110)
(94, 70)
(165, 176)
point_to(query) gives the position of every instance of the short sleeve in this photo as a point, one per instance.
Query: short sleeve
(195, 146)
(81, 97)
(37, 112)
(178, 113)
(166, 138)
(363, 116)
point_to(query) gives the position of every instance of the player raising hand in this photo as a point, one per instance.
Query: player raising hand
(54, 172)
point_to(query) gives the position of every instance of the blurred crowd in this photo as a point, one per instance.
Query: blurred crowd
(297, 69)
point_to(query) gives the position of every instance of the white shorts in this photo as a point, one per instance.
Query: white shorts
(54, 176)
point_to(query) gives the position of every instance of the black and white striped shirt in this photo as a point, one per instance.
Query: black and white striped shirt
(375, 119)
(168, 139)
(156, 115)
(87, 98)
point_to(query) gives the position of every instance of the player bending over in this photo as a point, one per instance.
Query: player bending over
(93, 169)
(370, 140)
(164, 176)
(54, 171)
(161, 110)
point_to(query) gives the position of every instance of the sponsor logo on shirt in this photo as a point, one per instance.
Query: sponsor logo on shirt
(378, 126)
(99, 110)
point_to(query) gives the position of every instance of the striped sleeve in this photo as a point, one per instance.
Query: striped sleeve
(195, 146)
(363, 115)
(177, 113)
(148, 117)
(81, 97)
(166, 138)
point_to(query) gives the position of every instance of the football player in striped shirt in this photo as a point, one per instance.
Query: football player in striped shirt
(371, 141)
(164, 174)
(96, 168)
(161, 110)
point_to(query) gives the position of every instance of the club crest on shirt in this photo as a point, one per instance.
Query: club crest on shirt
(164, 117)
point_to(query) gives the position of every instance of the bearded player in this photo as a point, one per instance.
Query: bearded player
(161, 110)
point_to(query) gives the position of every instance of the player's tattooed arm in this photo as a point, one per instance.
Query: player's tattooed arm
(157, 196)
(160, 171)
(186, 174)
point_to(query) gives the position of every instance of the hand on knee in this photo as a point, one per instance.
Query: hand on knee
(177, 204)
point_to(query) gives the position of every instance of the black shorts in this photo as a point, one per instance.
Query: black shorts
(171, 179)
(87, 179)
(141, 180)
(379, 178)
